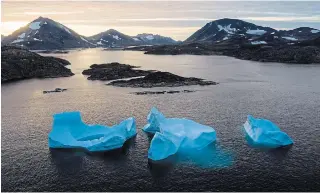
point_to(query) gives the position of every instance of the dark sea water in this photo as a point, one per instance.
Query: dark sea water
(288, 95)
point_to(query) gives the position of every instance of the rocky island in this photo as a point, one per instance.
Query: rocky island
(18, 63)
(161, 79)
(139, 78)
(113, 71)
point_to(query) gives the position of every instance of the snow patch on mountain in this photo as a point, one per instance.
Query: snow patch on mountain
(227, 29)
(258, 42)
(35, 39)
(17, 40)
(150, 37)
(315, 31)
(256, 32)
(35, 25)
(22, 35)
(136, 39)
(290, 38)
(225, 38)
(67, 30)
(116, 37)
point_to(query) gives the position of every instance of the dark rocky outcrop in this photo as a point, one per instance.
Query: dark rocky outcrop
(305, 52)
(283, 54)
(162, 92)
(113, 71)
(18, 63)
(161, 79)
(55, 90)
(53, 51)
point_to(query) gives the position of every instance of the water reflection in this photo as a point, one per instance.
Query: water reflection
(212, 156)
(159, 169)
(71, 160)
(67, 161)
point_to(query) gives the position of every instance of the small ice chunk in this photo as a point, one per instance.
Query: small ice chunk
(264, 133)
(68, 131)
(315, 31)
(173, 135)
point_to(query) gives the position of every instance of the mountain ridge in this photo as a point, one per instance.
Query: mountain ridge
(44, 33)
(224, 29)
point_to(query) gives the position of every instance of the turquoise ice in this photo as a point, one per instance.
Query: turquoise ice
(173, 135)
(69, 131)
(264, 133)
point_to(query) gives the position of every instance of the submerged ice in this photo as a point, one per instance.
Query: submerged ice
(264, 133)
(70, 132)
(173, 135)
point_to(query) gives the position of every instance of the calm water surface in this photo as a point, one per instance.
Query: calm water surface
(289, 95)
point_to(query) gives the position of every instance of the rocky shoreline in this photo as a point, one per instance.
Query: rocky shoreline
(162, 92)
(306, 52)
(18, 63)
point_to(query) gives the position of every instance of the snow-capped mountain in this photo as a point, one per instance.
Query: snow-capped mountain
(44, 33)
(151, 39)
(235, 31)
(223, 29)
(112, 38)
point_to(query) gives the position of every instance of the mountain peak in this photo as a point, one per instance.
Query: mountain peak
(112, 31)
(44, 33)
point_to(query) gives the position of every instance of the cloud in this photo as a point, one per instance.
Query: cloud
(53, 13)
(305, 19)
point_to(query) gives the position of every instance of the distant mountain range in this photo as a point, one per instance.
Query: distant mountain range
(44, 33)
(229, 30)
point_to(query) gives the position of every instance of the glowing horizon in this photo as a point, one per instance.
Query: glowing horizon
(174, 19)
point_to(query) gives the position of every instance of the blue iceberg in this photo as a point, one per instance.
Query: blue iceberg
(173, 135)
(264, 133)
(70, 132)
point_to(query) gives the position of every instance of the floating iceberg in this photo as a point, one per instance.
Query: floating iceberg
(173, 135)
(70, 132)
(264, 133)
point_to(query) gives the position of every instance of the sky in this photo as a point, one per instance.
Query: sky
(176, 19)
